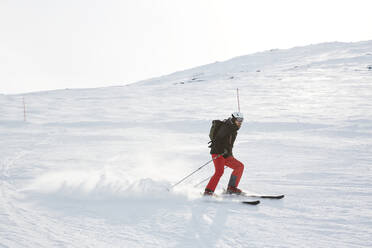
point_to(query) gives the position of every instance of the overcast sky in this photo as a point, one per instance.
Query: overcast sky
(54, 44)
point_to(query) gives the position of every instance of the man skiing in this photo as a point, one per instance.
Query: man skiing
(221, 151)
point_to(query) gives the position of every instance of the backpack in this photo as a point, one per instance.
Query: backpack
(216, 124)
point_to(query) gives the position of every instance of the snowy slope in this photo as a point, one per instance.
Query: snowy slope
(90, 167)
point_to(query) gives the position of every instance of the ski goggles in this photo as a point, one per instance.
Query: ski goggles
(239, 119)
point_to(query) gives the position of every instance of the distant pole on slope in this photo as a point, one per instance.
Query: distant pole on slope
(237, 97)
(24, 109)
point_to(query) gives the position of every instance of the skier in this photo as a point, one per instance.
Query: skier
(222, 144)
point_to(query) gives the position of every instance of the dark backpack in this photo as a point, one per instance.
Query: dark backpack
(216, 124)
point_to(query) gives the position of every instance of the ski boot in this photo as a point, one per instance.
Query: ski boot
(208, 192)
(233, 190)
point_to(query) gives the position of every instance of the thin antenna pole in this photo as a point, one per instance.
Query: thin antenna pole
(237, 96)
(24, 109)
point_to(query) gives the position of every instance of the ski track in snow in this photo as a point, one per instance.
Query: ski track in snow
(90, 167)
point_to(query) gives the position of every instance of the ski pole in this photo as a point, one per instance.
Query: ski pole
(196, 185)
(183, 179)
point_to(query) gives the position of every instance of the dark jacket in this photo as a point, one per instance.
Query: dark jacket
(225, 138)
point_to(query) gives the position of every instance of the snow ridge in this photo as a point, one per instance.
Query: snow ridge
(91, 167)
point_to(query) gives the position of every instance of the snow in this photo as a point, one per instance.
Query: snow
(91, 167)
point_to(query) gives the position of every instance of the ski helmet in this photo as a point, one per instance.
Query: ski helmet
(238, 116)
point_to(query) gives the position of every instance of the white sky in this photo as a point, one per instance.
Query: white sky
(53, 44)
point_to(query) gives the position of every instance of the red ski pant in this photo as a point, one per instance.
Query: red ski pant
(219, 165)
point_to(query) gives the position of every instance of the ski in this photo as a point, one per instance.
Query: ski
(244, 194)
(251, 202)
(265, 196)
(239, 201)
(235, 198)
(223, 199)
